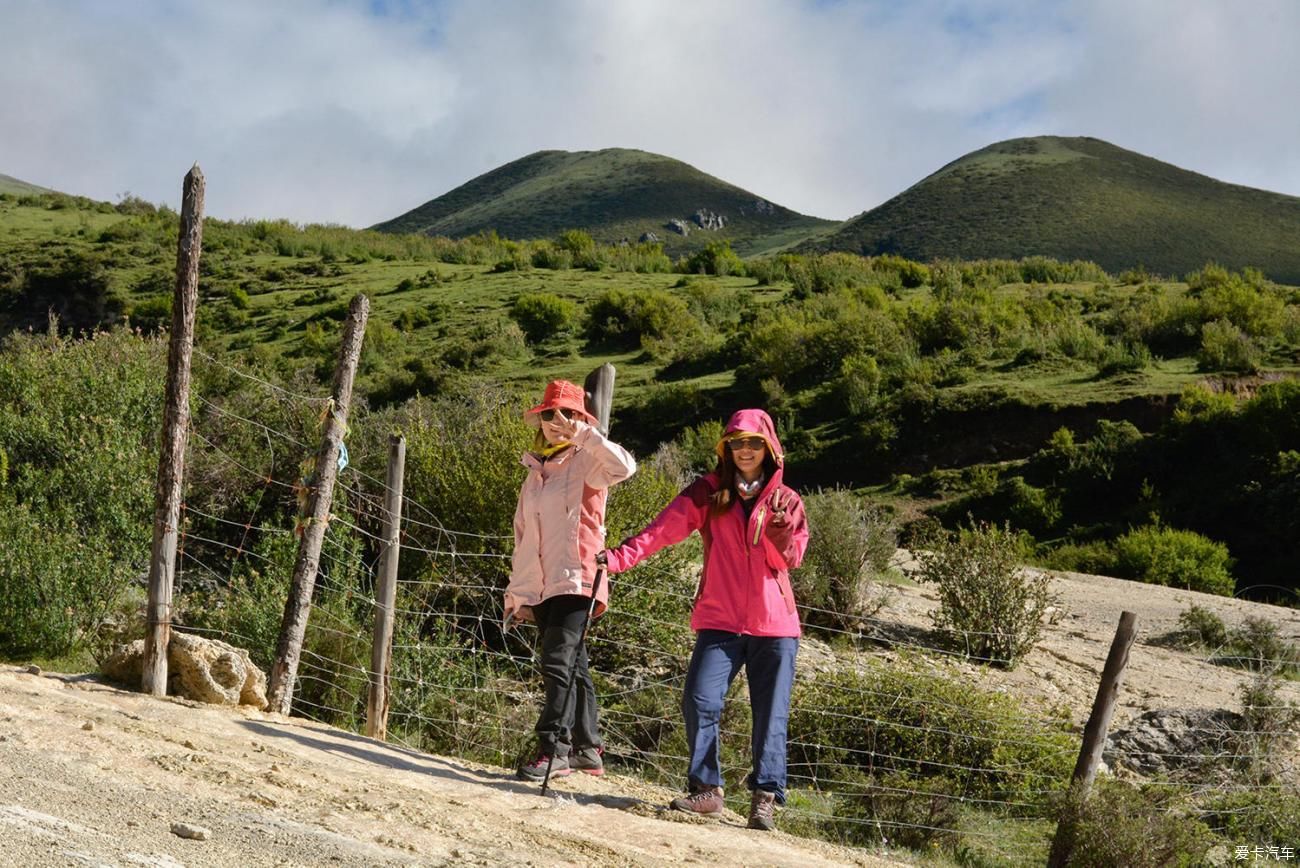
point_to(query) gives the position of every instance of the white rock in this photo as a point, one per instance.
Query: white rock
(194, 833)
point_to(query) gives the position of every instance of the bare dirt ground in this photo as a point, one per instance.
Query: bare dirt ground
(1064, 668)
(94, 775)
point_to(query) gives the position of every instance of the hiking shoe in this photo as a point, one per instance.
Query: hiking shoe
(761, 804)
(705, 801)
(535, 769)
(588, 759)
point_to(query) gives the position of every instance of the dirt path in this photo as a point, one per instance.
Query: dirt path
(94, 775)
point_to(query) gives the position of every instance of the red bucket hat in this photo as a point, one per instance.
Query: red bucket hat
(561, 394)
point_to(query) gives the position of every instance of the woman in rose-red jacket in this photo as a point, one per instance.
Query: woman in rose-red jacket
(559, 530)
(754, 533)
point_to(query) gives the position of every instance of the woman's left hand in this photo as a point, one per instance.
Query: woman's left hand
(780, 500)
(562, 428)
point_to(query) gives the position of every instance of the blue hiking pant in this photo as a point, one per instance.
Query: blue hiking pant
(769, 667)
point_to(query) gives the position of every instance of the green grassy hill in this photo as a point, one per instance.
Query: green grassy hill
(9, 184)
(1080, 198)
(946, 391)
(613, 194)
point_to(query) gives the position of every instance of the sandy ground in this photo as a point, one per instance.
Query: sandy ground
(94, 775)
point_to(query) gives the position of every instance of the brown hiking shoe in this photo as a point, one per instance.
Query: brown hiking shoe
(705, 801)
(761, 804)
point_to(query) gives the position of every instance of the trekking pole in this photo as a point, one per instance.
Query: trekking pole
(573, 668)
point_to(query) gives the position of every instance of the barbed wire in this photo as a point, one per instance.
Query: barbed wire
(459, 683)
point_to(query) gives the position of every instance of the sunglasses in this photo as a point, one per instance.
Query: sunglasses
(752, 443)
(549, 415)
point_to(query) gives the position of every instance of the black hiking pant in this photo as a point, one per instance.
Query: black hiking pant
(568, 718)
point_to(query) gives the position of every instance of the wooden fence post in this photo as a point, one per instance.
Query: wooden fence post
(1094, 738)
(176, 420)
(599, 387)
(288, 651)
(381, 654)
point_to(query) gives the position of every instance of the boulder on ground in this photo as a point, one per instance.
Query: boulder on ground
(205, 670)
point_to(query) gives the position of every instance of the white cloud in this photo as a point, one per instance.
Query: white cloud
(320, 110)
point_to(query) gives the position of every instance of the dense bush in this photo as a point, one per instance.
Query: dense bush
(850, 545)
(543, 314)
(715, 258)
(78, 426)
(1178, 558)
(1224, 347)
(619, 318)
(912, 717)
(993, 607)
(1121, 824)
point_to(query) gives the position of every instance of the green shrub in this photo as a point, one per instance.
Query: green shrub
(994, 607)
(1202, 627)
(1125, 358)
(152, 314)
(487, 345)
(543, 314)
(850, 545)
(715, 258)
(1260, 816)
(913, 717)
(1094, 558)
(1177, 558)
(1120, 824)
(78, 423)
(699, 445)
(1257, 644)
(1031, 508)
(1224, 347)
(623, 319)
(1269, 726)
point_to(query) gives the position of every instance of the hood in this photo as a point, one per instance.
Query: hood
(753, 421)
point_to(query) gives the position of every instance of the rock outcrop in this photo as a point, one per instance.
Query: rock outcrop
(1167, 740)
(205, 670)
(707, 220)
(681, 227)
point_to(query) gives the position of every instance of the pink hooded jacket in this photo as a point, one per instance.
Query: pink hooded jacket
(560, 521)
(745, 587)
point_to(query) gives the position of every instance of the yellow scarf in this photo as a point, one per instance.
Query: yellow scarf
(548, 451)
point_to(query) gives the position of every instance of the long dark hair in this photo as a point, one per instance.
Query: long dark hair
(726, 471)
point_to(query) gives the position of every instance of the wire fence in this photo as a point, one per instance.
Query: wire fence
(887, 741)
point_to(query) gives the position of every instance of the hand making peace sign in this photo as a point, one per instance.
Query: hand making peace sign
(561, 427)
(780, 500)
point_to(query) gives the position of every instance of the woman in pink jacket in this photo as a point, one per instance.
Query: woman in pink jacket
(754, 533)
(559, 530)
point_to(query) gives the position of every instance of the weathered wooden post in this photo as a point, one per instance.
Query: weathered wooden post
(381, 654)
(288, 651)
(176, 421)
(1094, 738)
(599, 387)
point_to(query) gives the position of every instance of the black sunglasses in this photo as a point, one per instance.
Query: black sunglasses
(752, 443)
(549, 415)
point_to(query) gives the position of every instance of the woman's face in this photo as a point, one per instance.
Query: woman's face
(559, 428)
(748, 453)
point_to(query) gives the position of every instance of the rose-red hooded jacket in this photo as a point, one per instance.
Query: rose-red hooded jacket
(745, 587)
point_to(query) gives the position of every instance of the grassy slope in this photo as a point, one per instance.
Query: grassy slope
(9, 184)
(613, 194)
(286, 293)
(1081, 198)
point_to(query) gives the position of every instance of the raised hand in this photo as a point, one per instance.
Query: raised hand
(780, 500)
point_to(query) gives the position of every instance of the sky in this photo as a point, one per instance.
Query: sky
(355, 111)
